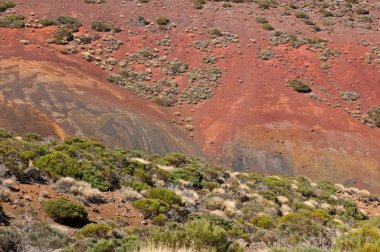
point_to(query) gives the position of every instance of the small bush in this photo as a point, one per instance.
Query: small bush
(101, 26)
(262, 20)
(262, 221)
(63, 36)
(162, 21)
(165, 195)
(372, 117)
(314, 226)
(65, 211)
(46, 22)
(12, 21)
(361, 11)
(266, 4)
(4, 5)
(5, 134)
(365, 238)
(151, 207)
(266, 54)
(94, 230)
(215, 32)
(198, 4)
(267, 27)
(301, 14)
(299, 86)
(200, 234)
(70, 23)
(42, 235)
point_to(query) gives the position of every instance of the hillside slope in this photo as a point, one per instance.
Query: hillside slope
(79, 195)
(223, 71)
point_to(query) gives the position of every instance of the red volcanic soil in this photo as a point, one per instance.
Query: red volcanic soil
(254, 121)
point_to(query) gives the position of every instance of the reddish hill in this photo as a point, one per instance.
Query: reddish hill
(253, 121)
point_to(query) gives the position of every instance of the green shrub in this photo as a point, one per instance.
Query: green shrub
(151, 207)
(63, 36)
(198, 4)
(168, 196)
(103, 246)
(65, 211)
(215, 32)
(362, 11)
(315, 227)
(174, 159)
(199, 234)
(12, 21)
(365, 238)
(59, 164)
(94, 230)
(188, 174)
(4, 5)
(299, 86)
(301, 14)
(262, 221)
(101, 26)
(267, 27)
(5, 134)
(69, 23)
(327, 13)
(162, 21)
(266, 4)
(160, 219)
(46, 22)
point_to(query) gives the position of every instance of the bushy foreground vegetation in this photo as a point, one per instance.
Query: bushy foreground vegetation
(188, 204)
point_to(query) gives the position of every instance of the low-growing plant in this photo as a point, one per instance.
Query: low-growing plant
(198, 4)
(262, 20)
(66, 212)
(301, 14)
(299, 86)
(63, 36)
(101, 26)
(372, 117)
(170, 197)
(42, 235)
(162, 21)
(266, 4)
(69, 23)
(94, 230)
(151, 207)
(267, 26)
(4, 5)
(46, 22)
(215, 32)
(12, 21)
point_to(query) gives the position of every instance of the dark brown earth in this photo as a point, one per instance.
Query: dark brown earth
(253, 121)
